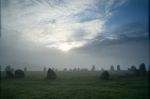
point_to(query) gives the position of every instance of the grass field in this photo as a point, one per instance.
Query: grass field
(75, 85)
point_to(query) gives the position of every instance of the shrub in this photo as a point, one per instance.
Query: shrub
(104, 75)
(19, 74)
(51, 74)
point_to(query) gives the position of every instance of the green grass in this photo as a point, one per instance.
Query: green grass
(75, 85)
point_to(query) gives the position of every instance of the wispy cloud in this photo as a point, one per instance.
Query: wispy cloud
(61, 24)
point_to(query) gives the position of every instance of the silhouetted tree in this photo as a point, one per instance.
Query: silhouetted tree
(142, 69)
(93, 68)
(118, 67)
(111, 68)
(9, 72)
(19, 74)
(104, 75)
(51, 74)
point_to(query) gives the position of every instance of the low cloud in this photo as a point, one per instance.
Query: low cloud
(56, 23)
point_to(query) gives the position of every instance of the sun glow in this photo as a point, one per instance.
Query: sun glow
(65, 47)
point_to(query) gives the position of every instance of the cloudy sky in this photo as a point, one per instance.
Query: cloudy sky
(74, 33)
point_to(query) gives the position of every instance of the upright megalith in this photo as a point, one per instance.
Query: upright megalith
(118, 67)
(112, 68)
(0, 72)
(93, 68)
(104, 75)
(142, 69)
(9, 72)
(9, 75)
(133, 70)
(51, 74)
(19, 74)
(25, 69)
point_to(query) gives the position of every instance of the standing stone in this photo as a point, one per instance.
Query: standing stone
(51, 74)
(134, 70)
(19, 74)
(118, 67)
(142, 69)
(0, 73)
(93, 68)
(111, 68)
(25, 69)
(9, 72)
(104, 75)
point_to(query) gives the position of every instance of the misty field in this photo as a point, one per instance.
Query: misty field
(75, 85)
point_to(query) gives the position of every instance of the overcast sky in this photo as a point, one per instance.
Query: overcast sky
(74, 33)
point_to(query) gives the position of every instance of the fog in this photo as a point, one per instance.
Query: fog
(59, 34)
